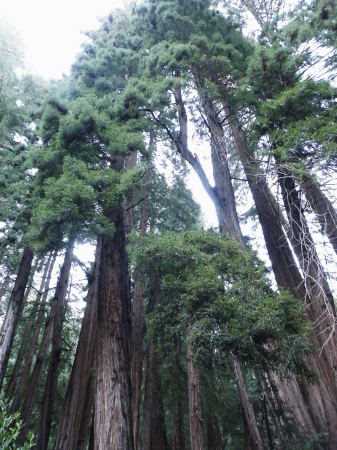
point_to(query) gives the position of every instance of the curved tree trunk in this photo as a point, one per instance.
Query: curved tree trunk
(222, 194)
(319, 298)
(11, 320)
(322, 207)
(75, 399)
(57, 315)
(229, 224)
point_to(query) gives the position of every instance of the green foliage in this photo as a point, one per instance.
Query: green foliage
(10, 426)
(219, 298)
(301, 122)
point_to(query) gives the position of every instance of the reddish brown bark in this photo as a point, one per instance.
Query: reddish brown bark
(47, 407)
(113, 417)
(82, 370)
(14, 309)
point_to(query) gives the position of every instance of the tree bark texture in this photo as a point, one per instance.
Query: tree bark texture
(11, 320)
(113, 417)
(82, 370)
(58, 309)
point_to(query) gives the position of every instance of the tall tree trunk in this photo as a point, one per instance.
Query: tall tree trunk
(222, 194)
(322, 207)
(195, 415)
(214, 440)
(47, 407)
(178, 431)
(153, 430)
(75, 399)
(137, 318)
(85, 424)
(253, 438)
(29, 326)
(153, 424)
(34, 381)
(229, 224)
(28, 361)
(113, 417)
(11, 320)
(319, 299)
(226, 208)
(288, 276)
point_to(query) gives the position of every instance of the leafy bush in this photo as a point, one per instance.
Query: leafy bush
(10, 427)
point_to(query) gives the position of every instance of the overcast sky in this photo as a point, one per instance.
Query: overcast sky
(52, 30)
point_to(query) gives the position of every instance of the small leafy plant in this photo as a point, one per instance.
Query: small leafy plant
(10, 427)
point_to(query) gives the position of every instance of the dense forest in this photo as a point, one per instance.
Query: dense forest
(126, 324)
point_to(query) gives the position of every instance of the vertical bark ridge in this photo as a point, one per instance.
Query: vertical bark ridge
(113, 417)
